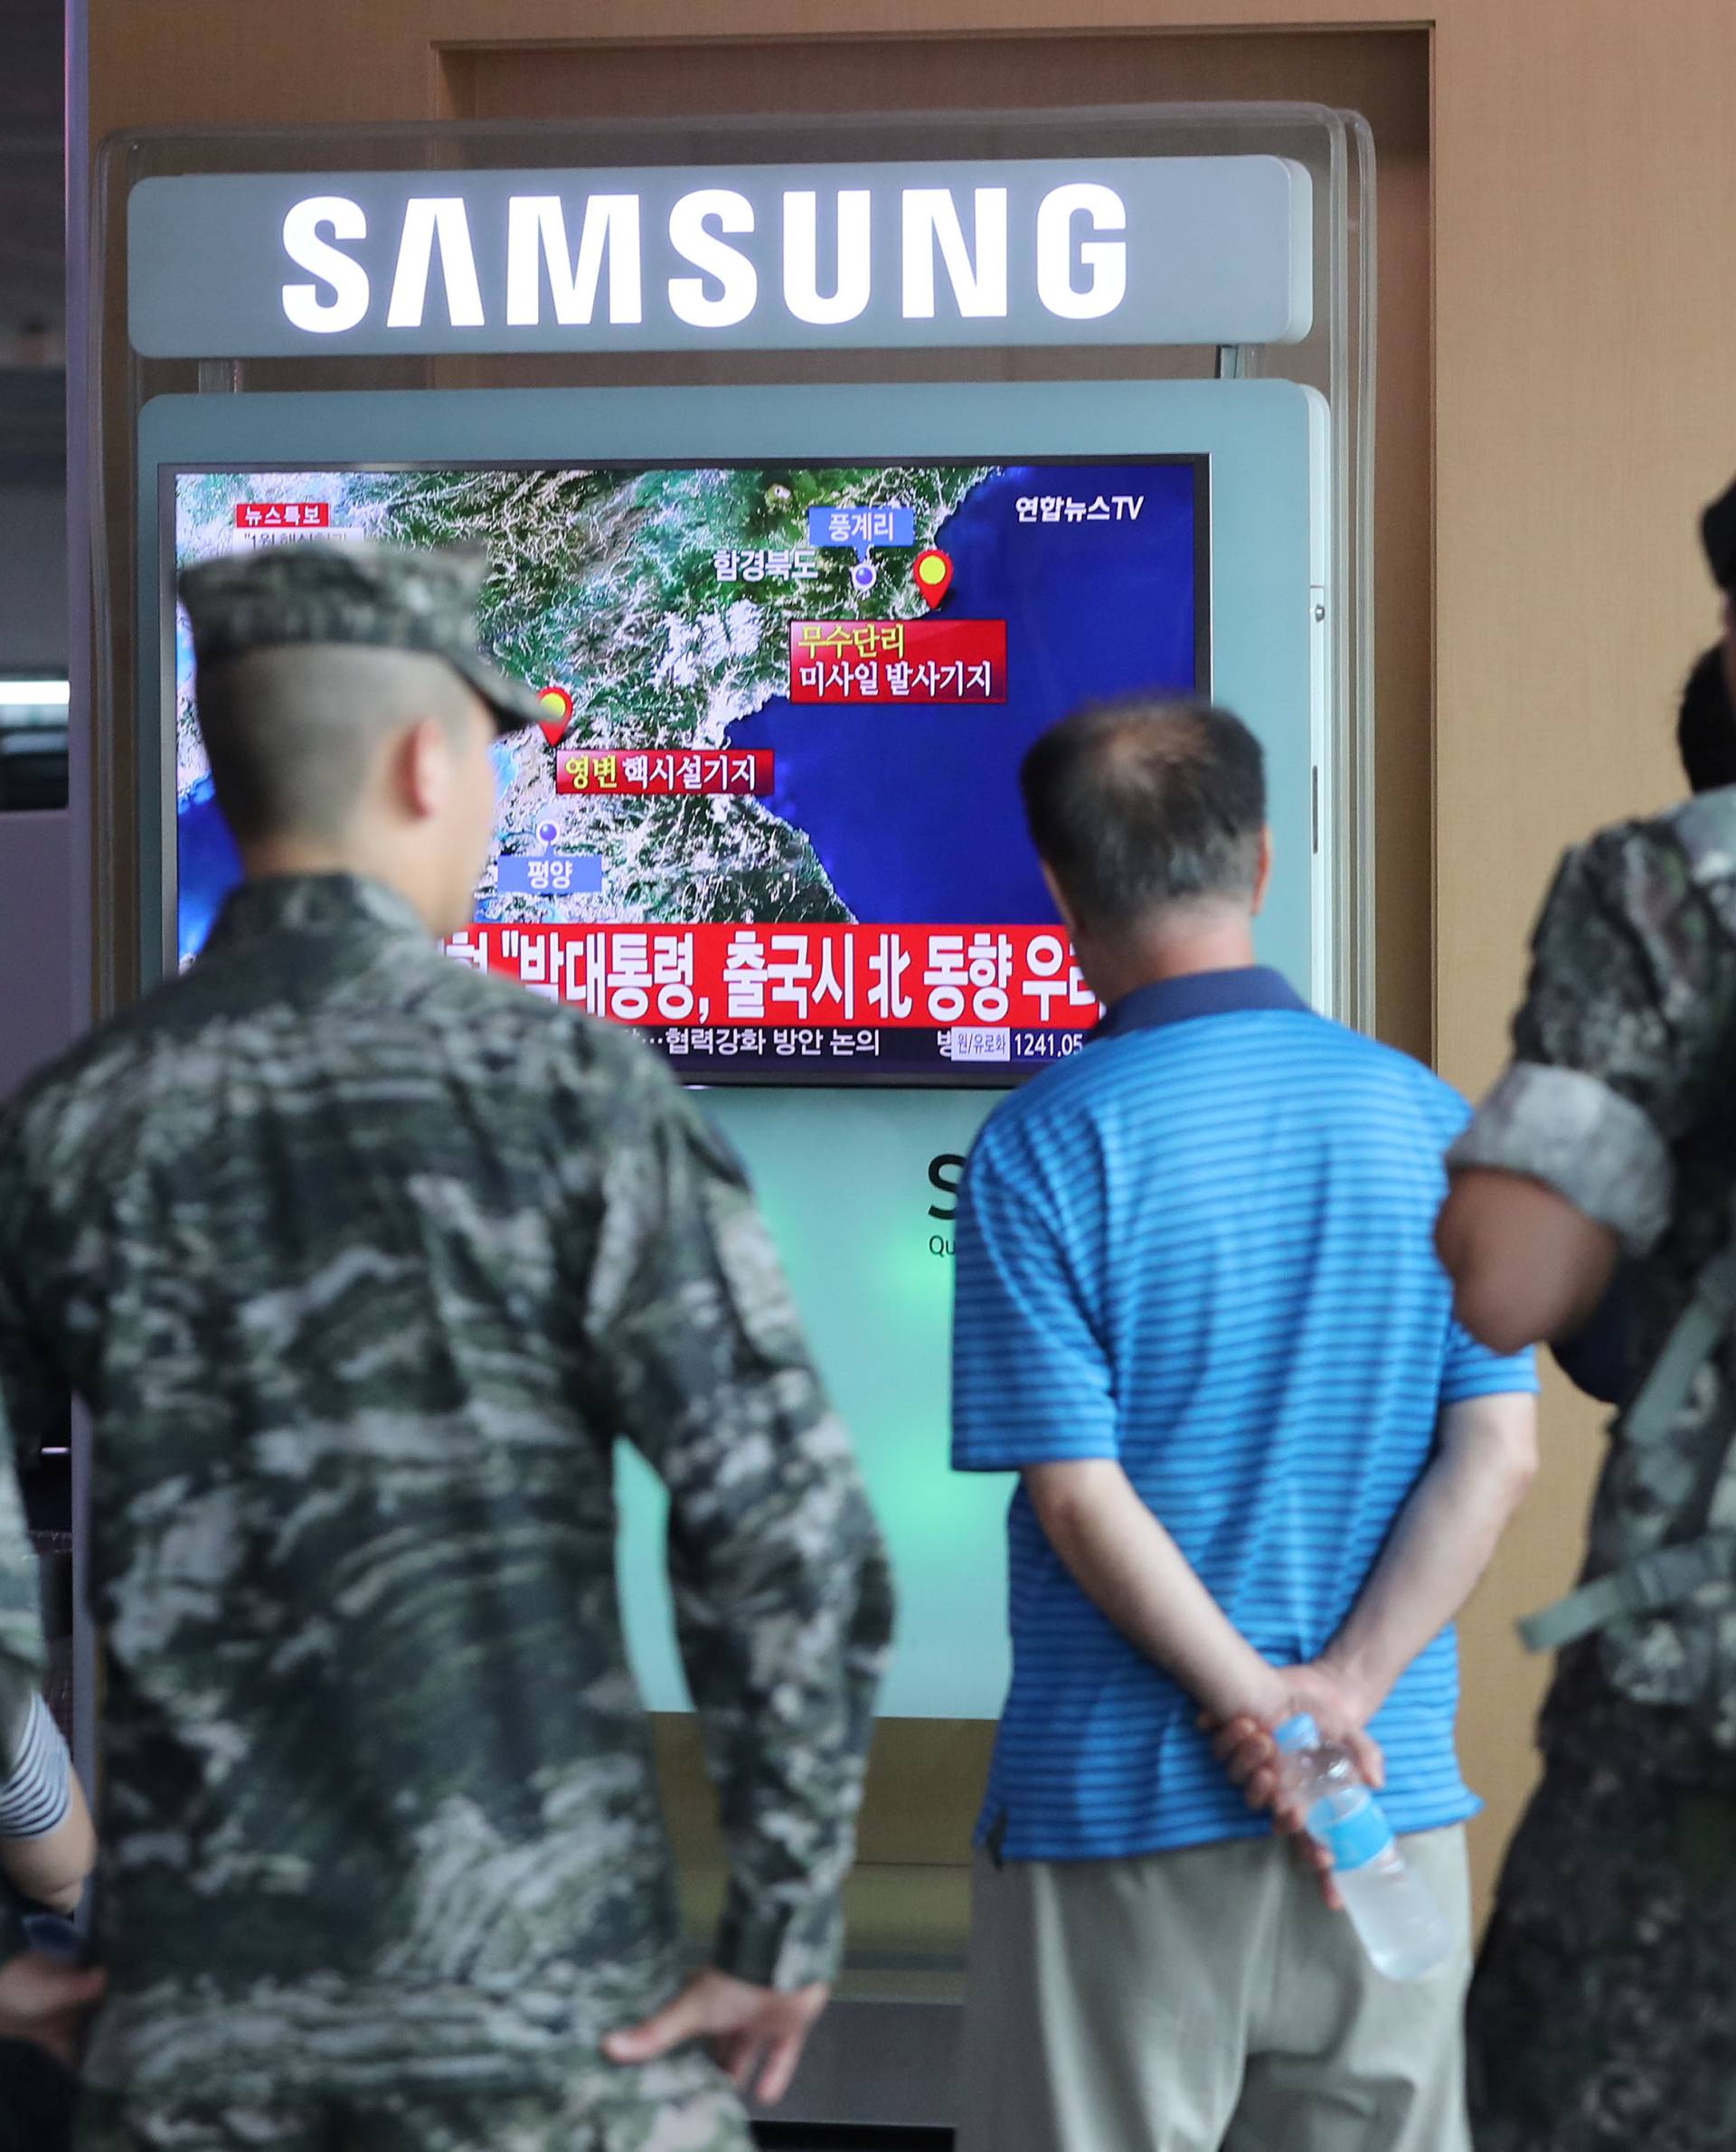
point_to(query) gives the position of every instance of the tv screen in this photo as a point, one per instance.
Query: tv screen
(772, 818)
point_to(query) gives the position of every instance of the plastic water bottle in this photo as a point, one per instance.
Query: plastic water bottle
(1395, 1913)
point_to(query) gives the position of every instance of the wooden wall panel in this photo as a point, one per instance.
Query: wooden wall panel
(209, 63)
(1586, 409)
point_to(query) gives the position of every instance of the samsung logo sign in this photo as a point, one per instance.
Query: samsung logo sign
(1130, 249)
(944, 245)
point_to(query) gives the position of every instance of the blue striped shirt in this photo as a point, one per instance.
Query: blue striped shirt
(1203, 1247)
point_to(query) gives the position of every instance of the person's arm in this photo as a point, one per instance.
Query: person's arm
(47, 2003)
(47, 1842)
(782, 1589)
(1620, 1047)
(1445, 1537)
(1526, 1265)
(1124, 1559)
(1034, 1392)
(26, 1403)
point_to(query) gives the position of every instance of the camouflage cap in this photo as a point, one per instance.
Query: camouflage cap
(383, 597)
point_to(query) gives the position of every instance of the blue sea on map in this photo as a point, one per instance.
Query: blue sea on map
(210, 866)
(914, 807)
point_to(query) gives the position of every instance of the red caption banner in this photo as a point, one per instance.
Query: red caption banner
(281, 516)
(638, 774)
(898, 660)
(881, 977)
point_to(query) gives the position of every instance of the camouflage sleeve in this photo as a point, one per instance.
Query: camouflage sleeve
(1620, 1041)
(783, 1594)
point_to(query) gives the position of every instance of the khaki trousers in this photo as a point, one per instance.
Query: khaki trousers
(1205, 2001)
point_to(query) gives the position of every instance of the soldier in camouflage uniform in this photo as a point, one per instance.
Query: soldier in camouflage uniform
(361, 1261)
(1602, 2014)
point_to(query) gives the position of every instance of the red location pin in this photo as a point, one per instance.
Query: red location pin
(558, 703)
(933, 574)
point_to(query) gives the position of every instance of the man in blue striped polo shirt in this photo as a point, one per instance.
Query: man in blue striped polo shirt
(1200, 1313)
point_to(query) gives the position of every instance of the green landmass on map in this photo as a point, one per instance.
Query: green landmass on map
(605, 581)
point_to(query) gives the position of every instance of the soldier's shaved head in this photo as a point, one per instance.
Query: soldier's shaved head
(295, 732)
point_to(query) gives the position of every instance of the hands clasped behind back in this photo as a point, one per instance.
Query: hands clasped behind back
(1246, 1748)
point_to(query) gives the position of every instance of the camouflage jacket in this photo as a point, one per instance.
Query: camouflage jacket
(1622, 1096)
(361, 1263)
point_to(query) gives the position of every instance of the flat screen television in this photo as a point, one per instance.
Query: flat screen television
(772, 819)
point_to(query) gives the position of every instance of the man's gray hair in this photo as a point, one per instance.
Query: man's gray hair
(1139, 805)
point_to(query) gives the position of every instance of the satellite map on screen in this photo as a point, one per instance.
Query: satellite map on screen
(773, 816)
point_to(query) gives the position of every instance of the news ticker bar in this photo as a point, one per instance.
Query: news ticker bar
(877, 977)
